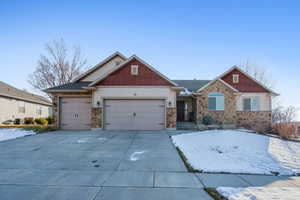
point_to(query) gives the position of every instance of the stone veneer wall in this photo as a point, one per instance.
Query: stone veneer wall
(226, 116)
(55, 110)
(256, 120)
(97, 118)
(171, 118)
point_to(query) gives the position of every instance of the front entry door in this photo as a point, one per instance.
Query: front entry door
(180, 111)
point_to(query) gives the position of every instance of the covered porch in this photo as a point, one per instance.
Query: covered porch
(186, 108)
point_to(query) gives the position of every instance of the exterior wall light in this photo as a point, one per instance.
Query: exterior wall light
(170, 103)
(98, 103)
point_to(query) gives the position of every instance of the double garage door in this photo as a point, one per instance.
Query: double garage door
(75, 114)
(134, 114)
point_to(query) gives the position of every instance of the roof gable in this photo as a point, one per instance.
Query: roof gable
(246, 82)
(217, 80)
(121, 75)
(87, 76)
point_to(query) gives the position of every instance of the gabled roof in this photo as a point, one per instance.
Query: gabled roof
(213, 81)
(243, 72)
(77, 86)
(124, 63)
(99, 65)
(191, 85)
(15, 93)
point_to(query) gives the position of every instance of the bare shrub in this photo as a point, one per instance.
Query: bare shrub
(285, 130)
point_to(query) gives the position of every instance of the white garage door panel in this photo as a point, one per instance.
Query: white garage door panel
(134, 114)
(75, 113)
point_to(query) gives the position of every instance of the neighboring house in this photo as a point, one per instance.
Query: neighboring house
(15, 103)
(128, 94)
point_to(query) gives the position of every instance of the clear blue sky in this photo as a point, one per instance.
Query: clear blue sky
(182, 39)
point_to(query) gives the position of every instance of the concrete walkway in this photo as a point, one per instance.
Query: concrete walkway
(106, 166)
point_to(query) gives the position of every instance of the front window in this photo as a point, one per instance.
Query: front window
(251, 104)
(247, 104)
(216, 101)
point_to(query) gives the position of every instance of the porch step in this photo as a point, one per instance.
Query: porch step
(186, 126)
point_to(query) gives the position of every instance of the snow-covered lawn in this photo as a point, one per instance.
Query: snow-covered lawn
(236, 151)
(259, 193)
(12, 133)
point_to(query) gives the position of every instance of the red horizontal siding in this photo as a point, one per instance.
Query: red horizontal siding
(146, 77)
(245, 84)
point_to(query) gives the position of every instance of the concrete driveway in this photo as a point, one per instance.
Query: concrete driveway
(90, 165)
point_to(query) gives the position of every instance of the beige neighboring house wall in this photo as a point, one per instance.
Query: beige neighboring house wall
(104, 69)
(9, 109)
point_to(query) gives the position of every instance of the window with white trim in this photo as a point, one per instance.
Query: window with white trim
(216, 101)
(21, 106)
(235, 78)
(134, 69)
(251, 104)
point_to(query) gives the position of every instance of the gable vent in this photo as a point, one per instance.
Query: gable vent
(134, 69)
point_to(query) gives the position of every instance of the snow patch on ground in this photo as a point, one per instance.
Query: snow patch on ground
(102, 139)
(13, 133)
(259, 193)
(236, 151)
(136, 155)
(82, 141)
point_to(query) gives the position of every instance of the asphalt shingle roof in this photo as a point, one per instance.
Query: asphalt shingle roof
(71, 86)
(12, 92)
(191, 85)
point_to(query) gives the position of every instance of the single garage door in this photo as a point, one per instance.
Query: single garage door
(134, 114)
(75, 113)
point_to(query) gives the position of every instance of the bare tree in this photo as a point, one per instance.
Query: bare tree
(282, 115)
(58, 66)
(257, 72)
